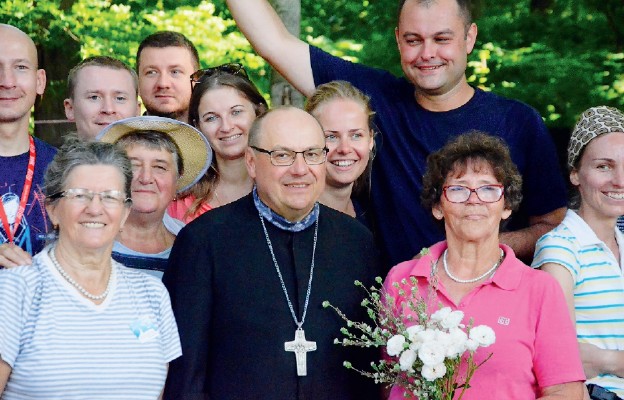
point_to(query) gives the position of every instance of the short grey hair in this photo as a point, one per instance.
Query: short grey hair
(76, 152)
(154, 140)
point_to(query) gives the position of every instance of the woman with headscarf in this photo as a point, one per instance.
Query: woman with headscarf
(585, 252)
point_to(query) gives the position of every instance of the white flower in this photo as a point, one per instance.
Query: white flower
(442, 337)
(427, 335)
(412, 332)
(415, 345)
(431, 373)
(483, 334)
(423, 352)
(431, 353)
(440, 314)
(455, 350)
(458, 334)
(407, 359)
(452, 320)
(472, 345)
(394, 347)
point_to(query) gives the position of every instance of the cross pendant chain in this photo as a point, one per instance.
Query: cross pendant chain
(300, 346)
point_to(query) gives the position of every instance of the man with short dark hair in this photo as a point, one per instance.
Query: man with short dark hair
(23, 158)
(418, 114)
(247, 280)
(165, 61)
(100, 91)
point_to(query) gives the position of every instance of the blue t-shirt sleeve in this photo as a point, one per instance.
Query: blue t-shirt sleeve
(544, 188)
(327, 68)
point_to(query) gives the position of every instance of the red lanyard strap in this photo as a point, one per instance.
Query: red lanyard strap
(30, 172)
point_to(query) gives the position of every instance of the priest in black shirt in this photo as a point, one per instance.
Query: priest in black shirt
(248, 279)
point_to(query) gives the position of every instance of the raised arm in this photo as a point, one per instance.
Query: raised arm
(289, 55)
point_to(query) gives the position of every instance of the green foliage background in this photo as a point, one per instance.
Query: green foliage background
(560, 56)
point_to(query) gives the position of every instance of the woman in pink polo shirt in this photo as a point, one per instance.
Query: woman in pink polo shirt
(471, 186)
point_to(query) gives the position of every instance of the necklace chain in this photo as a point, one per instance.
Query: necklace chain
(478, 278)
(279, 274)
(75, 284)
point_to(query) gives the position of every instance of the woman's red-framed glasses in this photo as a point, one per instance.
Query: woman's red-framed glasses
(485, 193)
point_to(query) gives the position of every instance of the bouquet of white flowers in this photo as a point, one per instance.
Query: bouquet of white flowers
(424, 351)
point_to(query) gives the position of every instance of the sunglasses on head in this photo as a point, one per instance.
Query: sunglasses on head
(230, 68)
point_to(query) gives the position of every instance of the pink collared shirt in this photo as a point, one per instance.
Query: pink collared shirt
(535, 344)
(178, 208)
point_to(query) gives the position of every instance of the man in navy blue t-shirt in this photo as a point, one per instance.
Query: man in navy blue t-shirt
(23, 158)
(418, 114)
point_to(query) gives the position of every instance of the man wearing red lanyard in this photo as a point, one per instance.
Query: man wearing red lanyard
(23, 158)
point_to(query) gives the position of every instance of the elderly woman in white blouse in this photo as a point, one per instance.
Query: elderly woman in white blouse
(75, 324)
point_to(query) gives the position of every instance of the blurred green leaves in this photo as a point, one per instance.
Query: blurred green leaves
(561, 57)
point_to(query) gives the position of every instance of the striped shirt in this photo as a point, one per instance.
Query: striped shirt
(62, 346)
(150, 263)
(598, 285)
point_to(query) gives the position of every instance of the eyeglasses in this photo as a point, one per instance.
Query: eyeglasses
(485, 193)
(284, 158)
(109, 198)
(230, 68)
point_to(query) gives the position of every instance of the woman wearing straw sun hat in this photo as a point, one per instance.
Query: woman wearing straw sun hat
(167, 157)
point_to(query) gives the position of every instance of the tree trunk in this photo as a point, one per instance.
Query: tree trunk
(282, 93)
(56, 59)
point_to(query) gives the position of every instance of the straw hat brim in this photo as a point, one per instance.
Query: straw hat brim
(195, 150)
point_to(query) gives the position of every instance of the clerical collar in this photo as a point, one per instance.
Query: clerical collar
(281, 222)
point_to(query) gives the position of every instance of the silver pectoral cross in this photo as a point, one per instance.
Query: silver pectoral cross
(300, 346)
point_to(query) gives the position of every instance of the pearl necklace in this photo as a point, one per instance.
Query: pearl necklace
(478, 278)
(75, 284)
